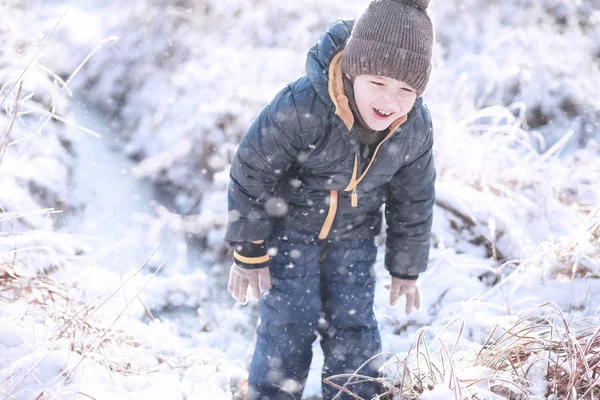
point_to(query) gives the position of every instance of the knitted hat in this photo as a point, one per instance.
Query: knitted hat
(392, 38)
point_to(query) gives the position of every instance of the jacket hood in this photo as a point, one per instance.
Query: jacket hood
(332, 41)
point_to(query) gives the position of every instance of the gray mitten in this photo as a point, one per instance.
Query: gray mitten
(240, 278)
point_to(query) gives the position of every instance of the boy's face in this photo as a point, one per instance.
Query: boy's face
(382, 100)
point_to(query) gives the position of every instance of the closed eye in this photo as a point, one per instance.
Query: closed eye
(377, 83)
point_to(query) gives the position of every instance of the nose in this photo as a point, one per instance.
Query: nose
(393, 100)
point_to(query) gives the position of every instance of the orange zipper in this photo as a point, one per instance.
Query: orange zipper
(354, 181)
(336, 93)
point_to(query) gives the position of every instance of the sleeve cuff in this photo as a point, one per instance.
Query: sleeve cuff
(405, 277)
(250, 255)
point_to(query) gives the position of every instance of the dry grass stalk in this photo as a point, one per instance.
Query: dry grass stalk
(569, 349)
(5, 136)
(356, 378)
(86, 335)
(407, 379)
(576, 255)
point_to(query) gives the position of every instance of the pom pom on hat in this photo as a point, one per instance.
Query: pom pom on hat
(420, 4)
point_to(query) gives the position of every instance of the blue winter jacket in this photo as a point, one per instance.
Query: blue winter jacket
(299, 165)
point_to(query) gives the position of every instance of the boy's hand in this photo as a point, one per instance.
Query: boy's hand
(240, 278)
(406, 287)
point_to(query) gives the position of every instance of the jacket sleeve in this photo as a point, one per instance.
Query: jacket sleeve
(409, 209)
(267, 150)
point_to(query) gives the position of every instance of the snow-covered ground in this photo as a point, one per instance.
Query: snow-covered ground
(515, 248)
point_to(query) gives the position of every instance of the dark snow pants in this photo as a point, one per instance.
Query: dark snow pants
(321, 288)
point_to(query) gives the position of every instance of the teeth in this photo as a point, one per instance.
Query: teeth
(382, 112)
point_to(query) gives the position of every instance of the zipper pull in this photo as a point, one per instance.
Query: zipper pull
(354, 198)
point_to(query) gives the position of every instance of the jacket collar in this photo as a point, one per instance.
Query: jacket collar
(320, 56)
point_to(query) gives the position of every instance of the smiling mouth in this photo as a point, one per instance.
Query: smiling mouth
(381, 113)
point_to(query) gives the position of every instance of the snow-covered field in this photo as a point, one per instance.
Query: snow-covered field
(511, 299)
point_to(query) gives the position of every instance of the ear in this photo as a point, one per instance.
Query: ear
(349, 77)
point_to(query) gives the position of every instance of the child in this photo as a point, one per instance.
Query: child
(307, 184)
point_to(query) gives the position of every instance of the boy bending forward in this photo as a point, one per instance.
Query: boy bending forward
(307, 185)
